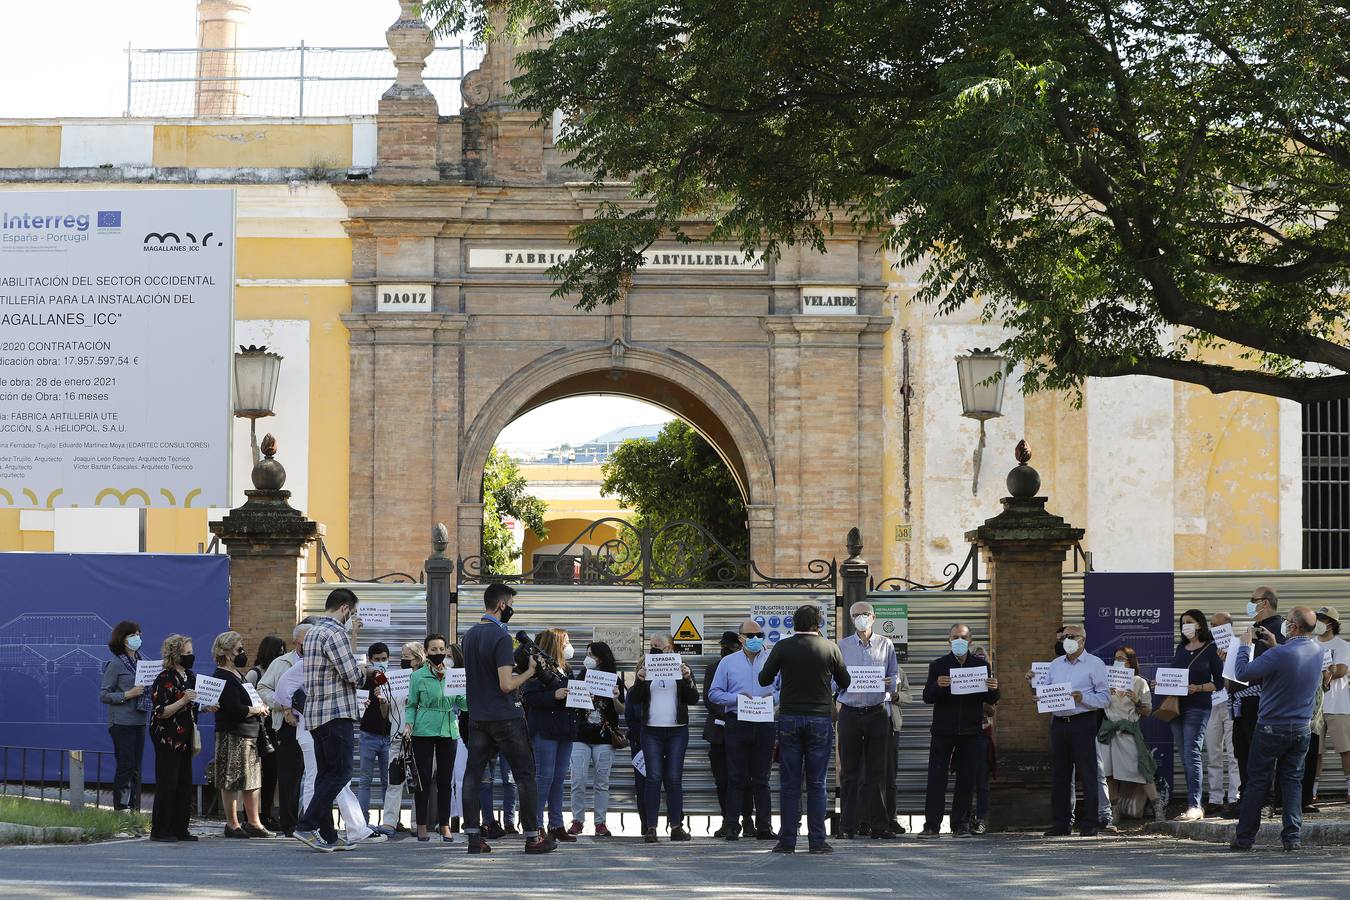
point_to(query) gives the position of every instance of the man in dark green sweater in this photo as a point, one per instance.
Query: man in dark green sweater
(808, 664)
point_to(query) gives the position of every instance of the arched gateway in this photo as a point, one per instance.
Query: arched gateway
(454, 334)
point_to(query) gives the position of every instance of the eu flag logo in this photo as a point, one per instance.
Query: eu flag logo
(109, 218)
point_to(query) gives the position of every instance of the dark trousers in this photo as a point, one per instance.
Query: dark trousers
(334, 745)
(663, 749)
(173, 792)
(982, 780)
(1310, 768)
(804, 744)
(1073, 751)
(290, 773)
(892, 768)
(441, 751)
(1244, 735)
(942, 749)
(1282, 747)
(268, 795)
(717, 758)
(128, 748)
(864, 740)
(511, 739)
(640, 794)
(749, 751)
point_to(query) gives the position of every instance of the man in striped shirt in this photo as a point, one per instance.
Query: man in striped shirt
(331, 678)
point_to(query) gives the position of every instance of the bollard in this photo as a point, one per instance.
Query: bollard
(76, 780)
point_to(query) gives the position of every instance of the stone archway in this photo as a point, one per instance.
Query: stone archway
(662, 377)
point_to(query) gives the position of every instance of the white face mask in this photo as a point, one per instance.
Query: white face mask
(1070, 646)
(591, 662)
(862, 622)
(1284, 628)
(1320, 629)
(1188, 629)
(568, 651)
(1121, 664)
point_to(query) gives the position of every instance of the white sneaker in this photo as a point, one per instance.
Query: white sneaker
(375, 837)
(1194, 814)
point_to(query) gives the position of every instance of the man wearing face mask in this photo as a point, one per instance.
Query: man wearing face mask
(1245, 700)
(1073, 734)
(374, 741)
(958, 726)
(714, 732)
(1336, 683)
(290, 756)
(864, 730)
(749, 745)
(331, 678)
(1289, 675)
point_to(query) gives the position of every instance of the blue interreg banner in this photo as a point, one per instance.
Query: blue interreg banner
(1134, 609)
(57, 611)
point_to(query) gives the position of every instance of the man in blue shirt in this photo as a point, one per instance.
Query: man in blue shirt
(1073, 734)
(749, 745)
(1289, 675)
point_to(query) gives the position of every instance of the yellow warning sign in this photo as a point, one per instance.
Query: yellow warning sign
(686, 631)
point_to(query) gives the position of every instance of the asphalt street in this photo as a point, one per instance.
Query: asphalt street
(992, 866)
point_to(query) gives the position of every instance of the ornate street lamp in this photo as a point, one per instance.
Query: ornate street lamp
(981, 375)
(256, 371)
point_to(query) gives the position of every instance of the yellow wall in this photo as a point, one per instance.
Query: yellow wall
(562, 532)
(30, 146)
(253, 145)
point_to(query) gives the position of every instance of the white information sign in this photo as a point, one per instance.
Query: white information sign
(579, 695)
(830, 301)
(1223, 636)
(776, 620)
(404, 297)
(866, 679)
(455, 683)
(969, 680)
(1230, 665)
(208, 690)
(1172, 682)
(686, 259)
(1051, 698)
(1040, 674)
(1120, 679)
(147, 670)
(754, 709)
(662, 666)
(116, 320)
(399, 681)
(374, 615)
(601, 684)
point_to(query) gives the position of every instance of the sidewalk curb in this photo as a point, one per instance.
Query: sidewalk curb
(38, 833)
(1221, 831)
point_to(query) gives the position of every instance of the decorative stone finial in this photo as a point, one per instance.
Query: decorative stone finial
(268, 474)
(411, 42)
(854, 542)
(440, 537)
(1023, 480)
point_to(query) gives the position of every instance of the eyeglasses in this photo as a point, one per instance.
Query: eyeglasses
(751, 634)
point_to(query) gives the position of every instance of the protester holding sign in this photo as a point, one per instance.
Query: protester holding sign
(958, 724)
(1073, 733)
(128, 711)
(238, 725)
(1196, 655)
(749, 743)
(553, 727)
(714, 732)
(1219, 734)
(173, 732)
(865, 727)
(1126, 760)
(374, 735)
(1336, 682)
(412, 656)
(431, 720)
(270, 649)
(597, 733)
(664, 691)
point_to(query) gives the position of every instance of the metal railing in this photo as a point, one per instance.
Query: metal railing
(47, 772)
(280, 81)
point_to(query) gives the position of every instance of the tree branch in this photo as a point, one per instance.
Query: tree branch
(1221, 379)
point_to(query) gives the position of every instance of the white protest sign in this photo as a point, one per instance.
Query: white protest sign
(1052, 698)
(254, 697)
(1230, 665)
(1172, 682)
(362, 697)
(661, 666)
(640, 763)
(456, 684)
(866, 679)
(1223, 636)
(374, 615)
(754, 709)
(1218, 698)
(208, 690)
(147, 670)
(1040, 674)
(1120, 679)
(969, 680)
(602, 684)
(1326, 661)
(579, 695)
(399, 680)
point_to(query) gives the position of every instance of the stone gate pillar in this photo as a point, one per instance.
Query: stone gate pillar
(1023, 548)
(266, 540)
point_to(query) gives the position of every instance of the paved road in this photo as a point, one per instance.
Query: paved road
(994, 866)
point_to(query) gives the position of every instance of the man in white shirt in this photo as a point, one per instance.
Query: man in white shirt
(290, 760)
(1073, 734)
(1219, 748)
(1336, 684)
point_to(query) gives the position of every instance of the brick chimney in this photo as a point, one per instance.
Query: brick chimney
(218, 26)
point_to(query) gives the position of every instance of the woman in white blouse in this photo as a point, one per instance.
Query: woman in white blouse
(1127, 763)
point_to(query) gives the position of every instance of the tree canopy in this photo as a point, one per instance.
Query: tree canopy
(1149, 187)
(506, 494)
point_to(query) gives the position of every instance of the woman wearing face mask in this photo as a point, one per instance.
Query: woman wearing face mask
(553, 727)
(173, 733)
(432, 720)
(128, 711)
(1197, 654)
(593, 750)
(411, 656)
(1126, 761)
(664, 705)
(238, 724)
(269, 648)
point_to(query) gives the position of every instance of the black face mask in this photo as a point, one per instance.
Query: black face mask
(1059, 647)
(436, 658)
(187, 659)
(240, 659)
(405, 663)
(727, 651)
(506, 614)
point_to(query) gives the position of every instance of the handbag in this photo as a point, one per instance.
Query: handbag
(267, 743)
(1170, 708)
(196, 739)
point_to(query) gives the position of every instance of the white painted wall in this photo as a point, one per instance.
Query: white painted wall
(364, 143)
(290, 425)
(105, 144)
(1291, 485)
(93, 530)
(1130, 473)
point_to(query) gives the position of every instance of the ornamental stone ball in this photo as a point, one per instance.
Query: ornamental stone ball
(1023, 480)
(268, 474)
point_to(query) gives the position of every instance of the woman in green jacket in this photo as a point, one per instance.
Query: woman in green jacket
(432, 721)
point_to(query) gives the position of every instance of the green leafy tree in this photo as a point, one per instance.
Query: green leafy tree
(1150, 187)
(679, 477)
(506, 494)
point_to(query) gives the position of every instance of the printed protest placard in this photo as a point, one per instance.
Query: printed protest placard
(455, 683)
(754, 709)
(1172, 682)
(147, 670)
(1223, 636)
(398, 682)
(969, 680)
(374, 615)
(1040, 674)
(579, 695)
(1052, 698)
(601, 683)
(867, 679)
(208, 690)
(1120, 679)
(662, 666)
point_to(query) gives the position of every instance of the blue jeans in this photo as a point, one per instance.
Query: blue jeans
(508, 792)
(552, 759)
(663, 750)
(128, 746)
(1188, 736)
(1282, 748)
(333, 748)
(374, 756)
(804, 744)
